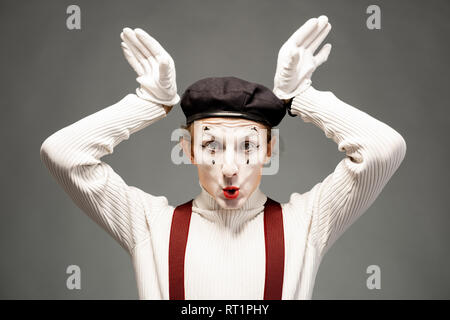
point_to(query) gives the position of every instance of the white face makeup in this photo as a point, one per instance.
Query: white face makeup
(230, 154)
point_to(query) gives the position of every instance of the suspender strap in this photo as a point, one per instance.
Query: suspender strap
(274, 244)
(177, 248)
(274, 239)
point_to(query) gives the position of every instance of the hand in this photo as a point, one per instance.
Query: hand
(154, 66)
(296, 62)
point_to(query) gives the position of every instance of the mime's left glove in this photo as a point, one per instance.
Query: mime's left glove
(296, 62)
(154, 66)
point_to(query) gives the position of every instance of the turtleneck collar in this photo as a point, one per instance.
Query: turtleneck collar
(205, 205)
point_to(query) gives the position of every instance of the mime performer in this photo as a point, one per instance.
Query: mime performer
(231, 241)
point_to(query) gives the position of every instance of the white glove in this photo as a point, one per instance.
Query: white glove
(154, 66)
(296, 62)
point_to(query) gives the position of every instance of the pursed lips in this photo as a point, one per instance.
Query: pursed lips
(231, 192)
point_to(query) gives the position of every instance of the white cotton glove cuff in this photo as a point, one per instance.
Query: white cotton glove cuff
(292, 93)
(167, 101)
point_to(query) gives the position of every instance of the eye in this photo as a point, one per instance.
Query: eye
(212, 146)
(248, 146)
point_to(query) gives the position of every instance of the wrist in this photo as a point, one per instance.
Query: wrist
(288, 104)
(167, 108)
(304, 85)
(167, 100)
(289, 95)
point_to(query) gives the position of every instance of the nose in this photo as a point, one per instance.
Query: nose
(229, 167)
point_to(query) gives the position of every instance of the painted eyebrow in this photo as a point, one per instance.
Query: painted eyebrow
(210, 132)
(213, 130)
(250, 134)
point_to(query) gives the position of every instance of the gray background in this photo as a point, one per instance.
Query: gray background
(52, 77)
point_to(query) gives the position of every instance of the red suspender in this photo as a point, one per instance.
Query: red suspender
(274, 238)
(177, 249)
(274, 242)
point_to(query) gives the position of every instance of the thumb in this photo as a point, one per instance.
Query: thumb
(323, 54)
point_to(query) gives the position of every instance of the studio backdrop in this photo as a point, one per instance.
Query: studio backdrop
(62, 61)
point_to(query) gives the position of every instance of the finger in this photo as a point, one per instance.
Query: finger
(135, 44)
(131, 52)
(150, 43)
(303, 32)
(131, 42)
(319, 39)
(131, 34)
(323, 54)
(131, 59)
(165, 74)
(135, 51)
(322, 22)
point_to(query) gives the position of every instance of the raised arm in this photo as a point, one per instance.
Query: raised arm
(373, 150)
(73, 154)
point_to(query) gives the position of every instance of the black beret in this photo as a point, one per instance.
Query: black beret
(231, 97)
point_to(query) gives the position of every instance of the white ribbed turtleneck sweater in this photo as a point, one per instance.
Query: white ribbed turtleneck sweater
(208, 208)
(227, 245)
(225, 254)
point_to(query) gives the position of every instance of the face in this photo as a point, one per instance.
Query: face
(229, 154)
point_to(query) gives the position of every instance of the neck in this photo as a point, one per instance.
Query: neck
(206, 205)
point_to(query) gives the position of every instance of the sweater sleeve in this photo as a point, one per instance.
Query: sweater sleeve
(373, 151)
(73, 156)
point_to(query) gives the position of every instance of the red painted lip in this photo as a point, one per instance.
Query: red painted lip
(231, 192)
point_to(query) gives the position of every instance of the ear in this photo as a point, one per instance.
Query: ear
(270, 148)
(186, 146)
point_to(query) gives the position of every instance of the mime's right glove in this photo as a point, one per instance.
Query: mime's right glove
(154, 66)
